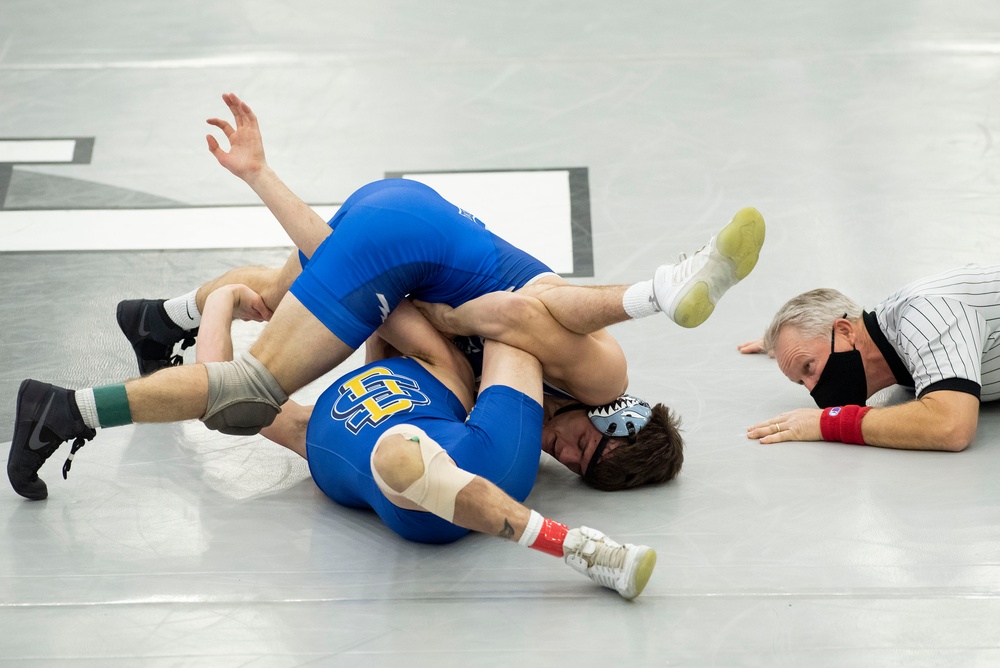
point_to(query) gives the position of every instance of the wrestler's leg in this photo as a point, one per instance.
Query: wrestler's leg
(271, 283)
(295, 348)
(155, 326)
(415, 475)
(686, 291)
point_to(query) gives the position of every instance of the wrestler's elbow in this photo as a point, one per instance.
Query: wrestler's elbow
(606, 381)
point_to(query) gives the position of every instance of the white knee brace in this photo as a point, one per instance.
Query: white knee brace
(436, 489)
(243, 396)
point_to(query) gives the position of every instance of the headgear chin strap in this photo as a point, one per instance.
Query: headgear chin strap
(622, 418)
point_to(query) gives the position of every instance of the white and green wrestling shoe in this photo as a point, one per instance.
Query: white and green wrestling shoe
(689, 290)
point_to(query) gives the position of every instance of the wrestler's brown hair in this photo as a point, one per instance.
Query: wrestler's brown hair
(654, 458)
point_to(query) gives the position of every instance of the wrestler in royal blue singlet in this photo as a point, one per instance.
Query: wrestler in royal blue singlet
(500, 441)
(398, 237)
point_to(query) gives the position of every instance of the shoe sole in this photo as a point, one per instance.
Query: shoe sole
(36, 489)
(643, 569)
(739, 244)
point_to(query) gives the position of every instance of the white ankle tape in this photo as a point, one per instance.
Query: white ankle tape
(88, 407)
(436, 489)
(532, 529)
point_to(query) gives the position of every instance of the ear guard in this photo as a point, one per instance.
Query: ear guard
(622, 418)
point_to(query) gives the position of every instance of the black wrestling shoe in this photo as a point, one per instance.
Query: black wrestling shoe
(145, 324)
(46, 417)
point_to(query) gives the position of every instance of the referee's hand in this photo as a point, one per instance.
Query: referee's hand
(802, 424)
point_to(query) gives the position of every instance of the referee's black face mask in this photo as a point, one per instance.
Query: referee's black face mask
(843, 380)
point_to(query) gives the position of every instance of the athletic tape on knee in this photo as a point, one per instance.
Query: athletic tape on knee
(436, 489)
(243, 396)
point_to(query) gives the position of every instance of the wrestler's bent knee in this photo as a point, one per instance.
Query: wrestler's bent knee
(436, 489)
(243, 396)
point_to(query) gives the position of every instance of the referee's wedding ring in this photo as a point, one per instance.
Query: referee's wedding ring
(776, 428)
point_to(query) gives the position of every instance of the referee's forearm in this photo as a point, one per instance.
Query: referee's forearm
(945, 423)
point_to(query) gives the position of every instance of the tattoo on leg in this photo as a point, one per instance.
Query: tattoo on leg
(507, 531)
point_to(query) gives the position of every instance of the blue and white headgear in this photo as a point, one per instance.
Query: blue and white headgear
(622, 418)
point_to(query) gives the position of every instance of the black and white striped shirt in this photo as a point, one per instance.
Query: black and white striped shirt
(946, 331)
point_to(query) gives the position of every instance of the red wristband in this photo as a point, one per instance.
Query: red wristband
(843, 423)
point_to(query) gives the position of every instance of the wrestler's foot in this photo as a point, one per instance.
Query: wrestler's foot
(46, 416)
(624, 568)
(145, 324)
(689, 290)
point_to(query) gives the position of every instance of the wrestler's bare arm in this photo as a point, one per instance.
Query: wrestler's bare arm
(406, 331)
(579, 309)
(591, 367)
(245, 159)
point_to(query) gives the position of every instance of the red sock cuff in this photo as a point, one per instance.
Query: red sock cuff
(550, 538)
(843, 423)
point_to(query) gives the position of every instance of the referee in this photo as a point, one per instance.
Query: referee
(939, 336)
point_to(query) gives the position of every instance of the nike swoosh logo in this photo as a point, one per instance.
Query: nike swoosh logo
(188, 309)
(33, 441)
(142, 321)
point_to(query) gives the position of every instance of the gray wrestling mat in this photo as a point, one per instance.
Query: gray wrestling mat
(863, 131)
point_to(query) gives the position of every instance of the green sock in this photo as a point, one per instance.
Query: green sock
(112, 405)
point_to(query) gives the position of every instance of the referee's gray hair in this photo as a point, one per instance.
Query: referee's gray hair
(812, 314)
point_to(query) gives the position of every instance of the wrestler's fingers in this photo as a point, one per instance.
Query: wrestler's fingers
(226, 128)
(233, 103)
(241, 110)
(248, 112)
(213, 146)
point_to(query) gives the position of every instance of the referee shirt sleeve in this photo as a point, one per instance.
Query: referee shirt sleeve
(943, 340)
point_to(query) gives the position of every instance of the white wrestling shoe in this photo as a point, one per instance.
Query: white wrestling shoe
(624, 568)
(689, 290)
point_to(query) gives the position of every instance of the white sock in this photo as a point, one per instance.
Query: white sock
(88, 407)
(531, 531)
(639, 300)
(183, 311)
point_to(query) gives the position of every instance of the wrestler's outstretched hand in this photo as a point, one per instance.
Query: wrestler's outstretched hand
(245, 157)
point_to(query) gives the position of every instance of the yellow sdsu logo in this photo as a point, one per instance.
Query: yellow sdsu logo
(374, 395)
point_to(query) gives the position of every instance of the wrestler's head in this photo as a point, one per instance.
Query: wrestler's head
(621, 445)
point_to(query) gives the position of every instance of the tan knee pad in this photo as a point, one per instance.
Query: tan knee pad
(243, 396)
(437, 488)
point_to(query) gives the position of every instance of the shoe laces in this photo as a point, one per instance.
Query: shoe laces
(686, 266)
(186, 342)
(607, 556)
(606, 564)
(78, 443)
(602, 559)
